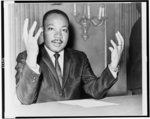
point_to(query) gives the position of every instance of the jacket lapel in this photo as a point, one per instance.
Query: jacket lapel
(67, 62)
(47, 60)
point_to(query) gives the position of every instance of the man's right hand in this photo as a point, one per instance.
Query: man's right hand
(30, 41)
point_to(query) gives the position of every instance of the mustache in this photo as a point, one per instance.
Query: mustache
(57, 40)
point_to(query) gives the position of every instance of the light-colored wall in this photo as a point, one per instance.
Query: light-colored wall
(119, 17)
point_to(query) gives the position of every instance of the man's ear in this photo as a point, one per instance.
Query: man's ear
(41, 38)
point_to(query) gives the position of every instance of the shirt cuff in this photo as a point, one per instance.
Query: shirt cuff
(35, 69)
(114, 73)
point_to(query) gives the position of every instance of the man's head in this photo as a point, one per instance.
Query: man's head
(56, 30)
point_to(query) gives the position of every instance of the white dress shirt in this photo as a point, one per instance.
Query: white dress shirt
(60, 59)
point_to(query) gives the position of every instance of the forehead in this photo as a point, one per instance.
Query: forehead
(56, 18)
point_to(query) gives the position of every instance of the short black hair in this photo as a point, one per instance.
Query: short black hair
(54, 11)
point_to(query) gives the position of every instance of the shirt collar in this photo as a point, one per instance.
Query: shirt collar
(51, 53)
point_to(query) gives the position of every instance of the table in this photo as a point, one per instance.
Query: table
(127, 106)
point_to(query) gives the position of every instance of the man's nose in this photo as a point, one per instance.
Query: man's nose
(58, 34)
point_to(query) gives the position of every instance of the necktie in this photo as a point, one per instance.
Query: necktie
(57, 68)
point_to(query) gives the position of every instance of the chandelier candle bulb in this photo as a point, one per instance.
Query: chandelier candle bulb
(100, 13)
(88, 11)
(84, 10)
(103, 12)
(75, 9)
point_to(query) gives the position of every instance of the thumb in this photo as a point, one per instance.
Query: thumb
(111, 49)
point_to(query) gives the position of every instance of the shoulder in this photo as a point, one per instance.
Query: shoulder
(73, 52)
(76, 55)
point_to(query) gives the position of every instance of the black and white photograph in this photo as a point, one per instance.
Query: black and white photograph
(75, 59)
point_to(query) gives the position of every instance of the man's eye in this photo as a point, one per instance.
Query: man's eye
(50, 28)
(65, 30)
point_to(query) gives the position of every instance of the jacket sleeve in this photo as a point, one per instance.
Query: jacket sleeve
(97, 87)
(26, 81)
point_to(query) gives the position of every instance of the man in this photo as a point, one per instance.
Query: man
(134, 64)
(52, 72)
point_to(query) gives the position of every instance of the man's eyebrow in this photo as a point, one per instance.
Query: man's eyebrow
(49, 25)
(65, 26)
(53, 25)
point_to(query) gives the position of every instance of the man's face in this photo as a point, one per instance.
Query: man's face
(56, 32)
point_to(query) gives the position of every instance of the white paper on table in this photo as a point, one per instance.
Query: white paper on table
(88, 103)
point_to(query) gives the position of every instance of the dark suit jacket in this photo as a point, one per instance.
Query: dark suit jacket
(134, 65)
(78, 77)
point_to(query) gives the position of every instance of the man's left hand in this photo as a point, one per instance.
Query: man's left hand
(116, 50)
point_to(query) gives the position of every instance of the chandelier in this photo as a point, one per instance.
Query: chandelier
(86, 20)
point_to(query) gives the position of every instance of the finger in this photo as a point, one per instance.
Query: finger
(121, 38)
(25, 26)
(113, 44)
(33, 28)
(111, 49)
(118, 39)
(38, 33)
(25, 29)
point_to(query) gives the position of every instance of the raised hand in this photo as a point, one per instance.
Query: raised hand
(116, 50)
(30, 41)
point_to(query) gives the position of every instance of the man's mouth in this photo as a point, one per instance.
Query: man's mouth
(57, 42)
